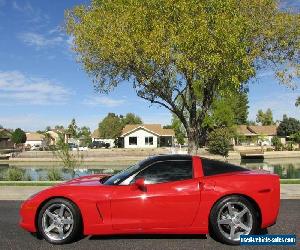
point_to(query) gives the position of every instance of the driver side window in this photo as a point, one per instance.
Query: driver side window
(166, 171)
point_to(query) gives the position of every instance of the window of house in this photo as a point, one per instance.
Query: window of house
(166, 171)
(133, 140)
(149, 140)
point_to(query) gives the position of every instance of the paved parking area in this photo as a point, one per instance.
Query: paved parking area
(13, 237)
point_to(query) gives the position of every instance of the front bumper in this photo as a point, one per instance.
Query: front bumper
(27, 212)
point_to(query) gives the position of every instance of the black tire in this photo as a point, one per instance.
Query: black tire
(74, 216)
(217, 231)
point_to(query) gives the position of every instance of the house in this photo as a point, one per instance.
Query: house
(55, 134)
(96, 137)
(255, 135)
(147, 136)
(35, 139)
(5, 142)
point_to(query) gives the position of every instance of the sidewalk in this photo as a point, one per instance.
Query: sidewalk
(288, 191)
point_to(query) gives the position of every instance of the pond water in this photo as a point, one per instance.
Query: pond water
(288, 168)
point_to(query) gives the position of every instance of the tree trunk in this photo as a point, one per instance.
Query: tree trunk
(202, 135)
(192, 141)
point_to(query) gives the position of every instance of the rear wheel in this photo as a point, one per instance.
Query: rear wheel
(232, 217)
(59, 221)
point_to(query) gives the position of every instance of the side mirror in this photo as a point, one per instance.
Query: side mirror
(140, 184)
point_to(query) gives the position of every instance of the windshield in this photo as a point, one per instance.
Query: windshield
(124, 174)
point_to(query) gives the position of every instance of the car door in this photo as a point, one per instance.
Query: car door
(172, 195)
(126, 207)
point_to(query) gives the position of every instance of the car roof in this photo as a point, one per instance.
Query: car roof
(166, 157)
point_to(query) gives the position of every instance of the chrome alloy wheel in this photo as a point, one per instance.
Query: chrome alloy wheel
(57, 222)
(234, 219)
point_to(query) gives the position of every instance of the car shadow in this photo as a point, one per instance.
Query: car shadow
(262, 231)
(148, 236)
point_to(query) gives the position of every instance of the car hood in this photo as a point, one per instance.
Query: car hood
(88, 180)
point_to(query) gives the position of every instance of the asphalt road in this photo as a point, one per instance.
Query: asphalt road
(13, 237)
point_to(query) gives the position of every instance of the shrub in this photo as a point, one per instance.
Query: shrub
(219, 141)
(296, 137)
(28, 178)
(54, 175)
(15, 174)
(277, 143)
(289, 146)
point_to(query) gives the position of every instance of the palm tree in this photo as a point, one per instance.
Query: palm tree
(297, 102)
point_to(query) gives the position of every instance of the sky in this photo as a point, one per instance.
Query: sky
(41, 84)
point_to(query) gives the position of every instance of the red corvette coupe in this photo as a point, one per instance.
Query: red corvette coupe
(165, 194)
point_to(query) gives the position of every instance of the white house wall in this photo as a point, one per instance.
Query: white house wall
(140, 134)
(32, 143)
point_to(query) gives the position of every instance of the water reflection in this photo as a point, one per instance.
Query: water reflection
(285, 169)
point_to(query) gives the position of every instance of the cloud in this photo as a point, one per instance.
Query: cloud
(16, 88)
(103, 101)
(33, 121)
(34, 15)
(39, 41)
(26, 8)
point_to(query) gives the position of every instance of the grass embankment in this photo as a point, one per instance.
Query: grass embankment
(51, 183)
(289, 181)
(29, 183)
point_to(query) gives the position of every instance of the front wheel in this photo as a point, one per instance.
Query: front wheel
(59, 221)
(232, 217)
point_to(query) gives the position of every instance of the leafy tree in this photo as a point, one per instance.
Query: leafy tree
(226, 111)
(131, 118)
(48, 128)
(219, 141)
(4, 133)
(179, 130)
(221, 115)
(296, 137)
(184, 54)
(73, 129)
(251, 123)
(1, 127)
(59, 127)
(265, 118)
(111, 126)
(85, 135)
(240, 108)
(297, 102)
(70, 160)
(288, 126)
(18, 136)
